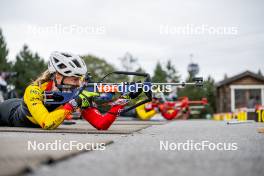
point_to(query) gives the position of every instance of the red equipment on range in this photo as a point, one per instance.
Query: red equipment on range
(182, 108)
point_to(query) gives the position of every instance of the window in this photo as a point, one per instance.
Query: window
(247, 98)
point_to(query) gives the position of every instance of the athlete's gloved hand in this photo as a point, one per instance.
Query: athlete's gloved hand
(83, 99)
(123, 100)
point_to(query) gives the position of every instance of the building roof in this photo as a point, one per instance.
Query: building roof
(239, 76)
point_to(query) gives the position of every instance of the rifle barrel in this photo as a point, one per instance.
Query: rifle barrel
(145, 83)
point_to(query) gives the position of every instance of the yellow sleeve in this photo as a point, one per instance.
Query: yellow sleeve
(143, 114)
(33, 98)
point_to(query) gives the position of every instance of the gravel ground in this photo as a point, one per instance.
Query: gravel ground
(140, 154)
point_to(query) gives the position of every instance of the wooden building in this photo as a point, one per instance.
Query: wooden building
(244, 90)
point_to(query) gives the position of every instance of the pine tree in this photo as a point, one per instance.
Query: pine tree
(160, 75)
(172, 73)
(210, 93)
(28, 65)
(4, 64)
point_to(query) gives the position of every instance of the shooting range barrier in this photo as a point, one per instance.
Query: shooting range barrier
(260, 114)
(239, 115)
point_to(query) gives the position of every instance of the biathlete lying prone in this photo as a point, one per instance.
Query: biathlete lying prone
(168, 109)
(64, 73)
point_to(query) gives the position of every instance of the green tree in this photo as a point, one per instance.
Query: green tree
(160, 75)
(4, 64)
(210, 93)
(169, 74)
(98, 68)
(28, 65)
(172, 73)
(197, 93)
(193, 93)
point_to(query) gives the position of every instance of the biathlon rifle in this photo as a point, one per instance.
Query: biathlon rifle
(60, 97)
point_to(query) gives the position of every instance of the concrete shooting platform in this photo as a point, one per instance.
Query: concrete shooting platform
(139, 153)
(80, 128)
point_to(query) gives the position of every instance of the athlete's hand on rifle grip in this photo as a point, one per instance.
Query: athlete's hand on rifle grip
(83, 99)
(123, 100)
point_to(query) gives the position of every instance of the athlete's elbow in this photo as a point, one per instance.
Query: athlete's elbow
(169, 116)
(102, 126)
(47, 126)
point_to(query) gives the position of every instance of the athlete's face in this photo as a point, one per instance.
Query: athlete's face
(69, 80)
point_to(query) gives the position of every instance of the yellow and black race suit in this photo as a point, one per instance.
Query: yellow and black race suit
(30, 111)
